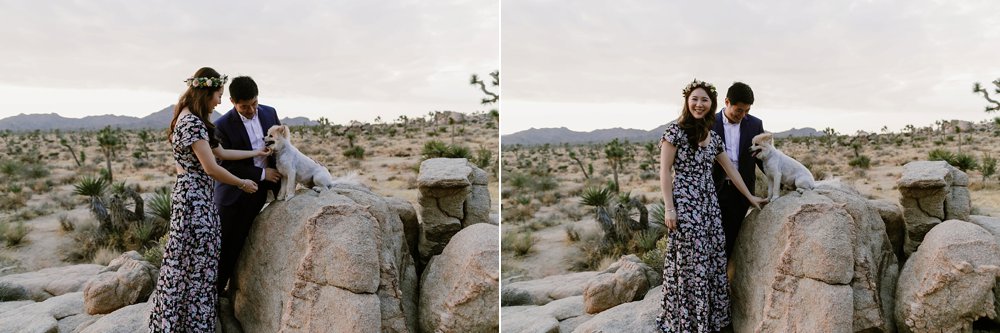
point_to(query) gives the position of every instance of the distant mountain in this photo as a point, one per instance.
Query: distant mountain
(540, 136)
(155, 120)
(798, 132)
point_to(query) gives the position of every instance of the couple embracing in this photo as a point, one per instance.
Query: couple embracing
(213, 205)
(706, 173)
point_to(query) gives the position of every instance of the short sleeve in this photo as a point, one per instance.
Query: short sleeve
(189, 131)
(672, 134)
(720, 146)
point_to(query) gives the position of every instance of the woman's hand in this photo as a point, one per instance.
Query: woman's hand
(266, 151)
(670, 219)
(248, 186)
(757, 202)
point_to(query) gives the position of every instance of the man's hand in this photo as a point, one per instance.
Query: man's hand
(272, 175)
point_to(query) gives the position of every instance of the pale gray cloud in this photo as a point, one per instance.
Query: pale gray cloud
(416, 55)
(810, 63)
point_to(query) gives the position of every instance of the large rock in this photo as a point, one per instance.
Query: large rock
(127, 280)
(948, 282)
(634, 317)
(335, 258)
(626, 280)
(130, 319)
(460, 287)
(42, 284)
(527, 319)
(895, 228)
(932, 191)
(454, 194)
(42, 317)
(992, 225)
(814, 262)
(545, 290)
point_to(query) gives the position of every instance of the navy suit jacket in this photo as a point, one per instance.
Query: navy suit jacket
(750, 126)
(233, 135)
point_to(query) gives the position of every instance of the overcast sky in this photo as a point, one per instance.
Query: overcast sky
(852, 66)
(344, 60)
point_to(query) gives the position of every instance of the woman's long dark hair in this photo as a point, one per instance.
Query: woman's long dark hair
(697, 129)
(197, 100)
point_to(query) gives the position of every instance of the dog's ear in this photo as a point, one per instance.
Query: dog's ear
(288, 133)
(766, 137)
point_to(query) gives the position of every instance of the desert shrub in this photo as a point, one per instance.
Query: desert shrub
(989, 166)
(91, 186)
(523, 242)
(483, 157)
(434, 149)
(962, 161)
(654, 257)
(104, 256)
(355, 152)
(159, 204)
(861, 161)
(35, 171)
(154, 254)
(519, 181)
(10, 167)
(66, 223)
(646, 240)
(572, 233)
(14, 233)
(12, 201)
(596, 196)
(546, 183)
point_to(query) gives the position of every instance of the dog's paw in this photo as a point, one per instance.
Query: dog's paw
(318, 189)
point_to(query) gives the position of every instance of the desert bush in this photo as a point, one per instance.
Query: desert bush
(91, 186)
(961, 161)
(66, 223)
(572, 233)
(12, 200)
(523, 242)
(483, 157)
(159, 204)
(596, 196)
(154, 254)
(654, 257)
(434, 149)
(861, 161)
(104, 256)
(14, 233)
(989, 166)
(356, 152)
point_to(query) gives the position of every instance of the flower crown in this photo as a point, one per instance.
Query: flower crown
(207, 82)
(699, 84)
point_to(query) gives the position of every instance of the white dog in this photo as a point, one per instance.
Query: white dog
(295, 167)
(779, 168)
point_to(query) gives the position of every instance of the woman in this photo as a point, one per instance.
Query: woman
(185, 297)
(695, 289)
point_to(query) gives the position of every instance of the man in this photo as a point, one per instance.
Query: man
(736, 128)
(242, 128)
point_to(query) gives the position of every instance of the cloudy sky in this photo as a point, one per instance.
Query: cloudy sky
(849, 65)
(344, 60)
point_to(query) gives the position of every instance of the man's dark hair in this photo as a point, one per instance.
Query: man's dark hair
(739, 92)
(243, 88)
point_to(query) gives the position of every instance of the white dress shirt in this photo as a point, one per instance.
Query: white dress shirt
(256, 135)
(732, 139)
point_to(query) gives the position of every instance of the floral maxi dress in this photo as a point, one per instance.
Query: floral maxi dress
(185, 296)
(695, 289)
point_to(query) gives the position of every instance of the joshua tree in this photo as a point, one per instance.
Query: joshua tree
(110, 140)
(491, 97)
(572, 155)
(993, 104)
(619, 216)
(65, 143)
(615, 154)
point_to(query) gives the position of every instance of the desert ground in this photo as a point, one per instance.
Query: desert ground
(44, 223)
(547, 230)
